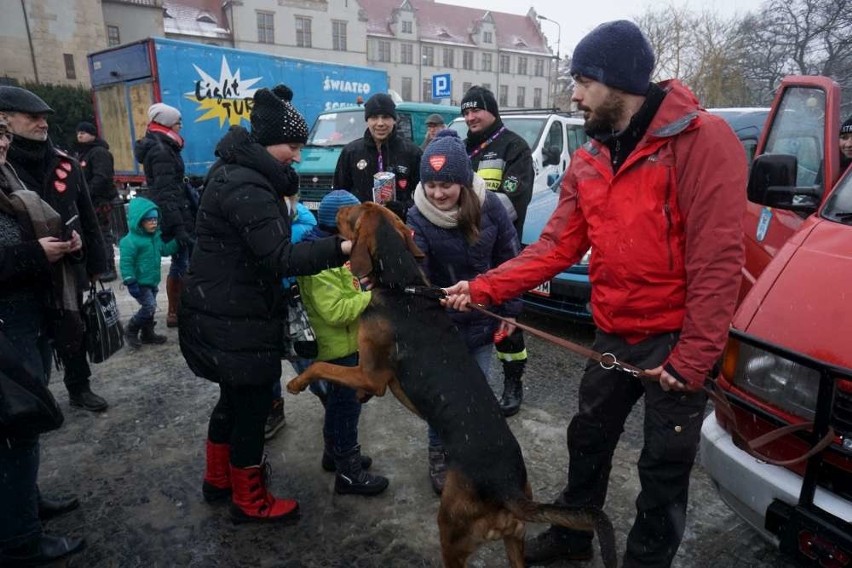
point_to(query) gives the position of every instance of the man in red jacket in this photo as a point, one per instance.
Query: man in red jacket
(659, 195)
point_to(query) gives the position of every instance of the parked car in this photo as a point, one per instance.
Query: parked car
(787, 362)
(747, 123)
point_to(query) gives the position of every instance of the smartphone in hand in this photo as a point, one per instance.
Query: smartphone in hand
(67, 231)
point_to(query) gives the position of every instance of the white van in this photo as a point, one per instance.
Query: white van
(552, 137)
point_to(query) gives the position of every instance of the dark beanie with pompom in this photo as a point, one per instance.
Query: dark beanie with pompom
(274, 120)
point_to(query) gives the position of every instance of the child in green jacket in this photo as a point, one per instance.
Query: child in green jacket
(334, 302)
(141, 250)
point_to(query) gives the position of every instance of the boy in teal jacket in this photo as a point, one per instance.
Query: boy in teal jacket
(141, 250)
(334, 302)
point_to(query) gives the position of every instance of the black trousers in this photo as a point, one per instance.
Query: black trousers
(671, 434)
(238, 419)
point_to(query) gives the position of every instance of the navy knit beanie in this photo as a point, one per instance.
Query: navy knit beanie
(846, 127)
(482, 98)
(616, 54)
(331, 204)
(445, 159)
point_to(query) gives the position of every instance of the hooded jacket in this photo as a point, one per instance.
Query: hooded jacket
(359, 161)
(232, 310)
(665, 232)
(140, 250)
(159, 153)
(98, 168)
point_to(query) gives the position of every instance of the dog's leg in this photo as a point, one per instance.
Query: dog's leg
(459, 520)
(515, 550)
(396, 389)
(374, 383)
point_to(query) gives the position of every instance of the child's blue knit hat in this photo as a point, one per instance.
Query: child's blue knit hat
(445, 159)
(151, 214)
(331, 203)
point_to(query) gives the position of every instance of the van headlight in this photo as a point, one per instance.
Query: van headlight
(772, 378)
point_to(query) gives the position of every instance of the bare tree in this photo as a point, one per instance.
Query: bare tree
(806, 37)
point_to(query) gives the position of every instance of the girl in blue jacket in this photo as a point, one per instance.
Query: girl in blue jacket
(464, 230)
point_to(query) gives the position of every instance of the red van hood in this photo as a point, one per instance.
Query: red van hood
(803, 300)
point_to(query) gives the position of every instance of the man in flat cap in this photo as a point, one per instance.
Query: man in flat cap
(59, 180)
(434, 124)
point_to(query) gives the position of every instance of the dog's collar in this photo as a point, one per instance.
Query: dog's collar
(431, 292)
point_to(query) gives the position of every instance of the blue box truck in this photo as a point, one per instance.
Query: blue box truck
(213, 88)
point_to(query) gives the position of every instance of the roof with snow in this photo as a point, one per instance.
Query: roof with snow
(457, 24)
(198, 18)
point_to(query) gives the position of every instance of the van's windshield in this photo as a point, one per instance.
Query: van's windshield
(338, 128)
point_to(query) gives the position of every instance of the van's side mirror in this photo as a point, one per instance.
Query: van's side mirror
(772, 182)
(551, 156)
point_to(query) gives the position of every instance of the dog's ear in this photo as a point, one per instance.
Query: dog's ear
(362, 221)
(347, 219)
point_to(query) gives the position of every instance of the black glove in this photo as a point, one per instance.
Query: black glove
(184, 239)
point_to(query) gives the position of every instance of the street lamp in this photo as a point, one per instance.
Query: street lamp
(558, 42)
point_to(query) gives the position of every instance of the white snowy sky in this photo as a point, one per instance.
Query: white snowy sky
(578, 17)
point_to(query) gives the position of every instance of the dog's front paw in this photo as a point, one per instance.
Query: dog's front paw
(295, 386)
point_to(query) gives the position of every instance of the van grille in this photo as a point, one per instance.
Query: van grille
(310, 181)
(841, 418)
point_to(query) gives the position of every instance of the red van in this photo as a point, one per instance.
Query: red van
(788, 362)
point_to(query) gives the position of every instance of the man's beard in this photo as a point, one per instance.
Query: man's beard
(603, 120)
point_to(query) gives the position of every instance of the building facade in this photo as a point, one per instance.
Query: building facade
(413, 40)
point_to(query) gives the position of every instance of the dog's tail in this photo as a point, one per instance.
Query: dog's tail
(577, 518)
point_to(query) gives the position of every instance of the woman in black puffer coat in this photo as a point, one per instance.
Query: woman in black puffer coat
(232, 312)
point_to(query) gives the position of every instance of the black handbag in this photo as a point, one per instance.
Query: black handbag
(300, 341)
(27, 407)
(104, 332)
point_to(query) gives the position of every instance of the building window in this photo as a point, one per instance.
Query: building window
(537, 97)
(539, 67)
(486, 37)
(428, 57)
(522, 65)
(70, 72)
(448, 57)
(504, 96)
(406, 54)
(265, 27)
(384, 51)
(486, 86)
(522, 94)
(338, 35)
(407, 27)
(486, 62)
(504, 64)
(113, 36)
(467, 60)
(303, 32)
(426, 90)
(406, 88)
(465, 88)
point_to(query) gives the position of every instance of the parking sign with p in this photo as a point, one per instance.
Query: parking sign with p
(441, 86)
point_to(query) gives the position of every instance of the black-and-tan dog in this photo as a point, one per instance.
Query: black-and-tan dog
(406, 342)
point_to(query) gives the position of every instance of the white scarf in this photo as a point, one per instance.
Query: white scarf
(446, 219)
